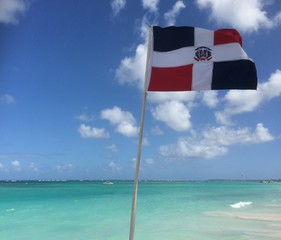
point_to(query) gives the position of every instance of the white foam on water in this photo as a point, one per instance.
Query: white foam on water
(10, 210)
(240, 204)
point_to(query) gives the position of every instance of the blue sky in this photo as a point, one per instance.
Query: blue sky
(71, 82)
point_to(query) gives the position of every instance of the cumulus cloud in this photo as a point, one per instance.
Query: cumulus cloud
(170, 16)
(247, 16)
(210, 98)
(84, 117)
(2, 168)
(114, 167)
(68, 168)
(149, 161)
(188, 147)
(91, 132)
(151, 5)
(7, 99)
(174, 113)
(272, 88)
(214, 142)
(247, 101)
(124, 121)
(33, 167)
(117, 6)
(277, 18)
(131, 70)
(10, 10)
(16, 165)
(229, 136)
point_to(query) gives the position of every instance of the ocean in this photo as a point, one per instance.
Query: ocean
(91, 210)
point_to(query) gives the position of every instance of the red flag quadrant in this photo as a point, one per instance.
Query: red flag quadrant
(192, 59)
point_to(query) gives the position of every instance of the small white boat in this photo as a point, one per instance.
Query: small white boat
(107, 183)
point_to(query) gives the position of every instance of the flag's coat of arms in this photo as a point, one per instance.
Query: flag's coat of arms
(203, 54)
(188, 58)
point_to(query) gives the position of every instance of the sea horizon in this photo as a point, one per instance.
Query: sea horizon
(142, 180)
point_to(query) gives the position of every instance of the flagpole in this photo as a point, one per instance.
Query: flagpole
(134, 201)
(136, 180)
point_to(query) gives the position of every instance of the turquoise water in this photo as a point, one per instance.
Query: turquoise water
(165, 211)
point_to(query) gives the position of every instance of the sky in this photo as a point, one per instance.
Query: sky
(71, 86)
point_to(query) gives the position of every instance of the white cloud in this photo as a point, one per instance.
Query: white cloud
(117, 6)
(262, 134)
(149, 162)
(144, 28)
(248, 100)
(11, 9)
(131, 70)
(224, 117)
(272, 88)
(151, 5)
(243, 101)
(85, 117)
(145, 142)
(170, 16)
(277, 19)
(114, 167)
(157, 131)
(64, 168)
(210, 98)
(7, 99)
(16, 165)
(91, 132)
(127, 129)
(214, 142)
(188, 147)
(247, 15)
(133, 162)
(174, 113)
(237, 102)
(229, 136)
(124, 121)
(156, 97)
(33, 167)
(112, 148)
(2, 168)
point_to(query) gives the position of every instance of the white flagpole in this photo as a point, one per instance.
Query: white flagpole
(134, 200)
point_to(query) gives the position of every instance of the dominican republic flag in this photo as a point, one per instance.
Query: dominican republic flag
(192, 59)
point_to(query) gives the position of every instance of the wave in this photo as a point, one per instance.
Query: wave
(10, 210)
(240, 204)
(274, 218)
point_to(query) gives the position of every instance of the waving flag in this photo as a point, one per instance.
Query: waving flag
(191, 59)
